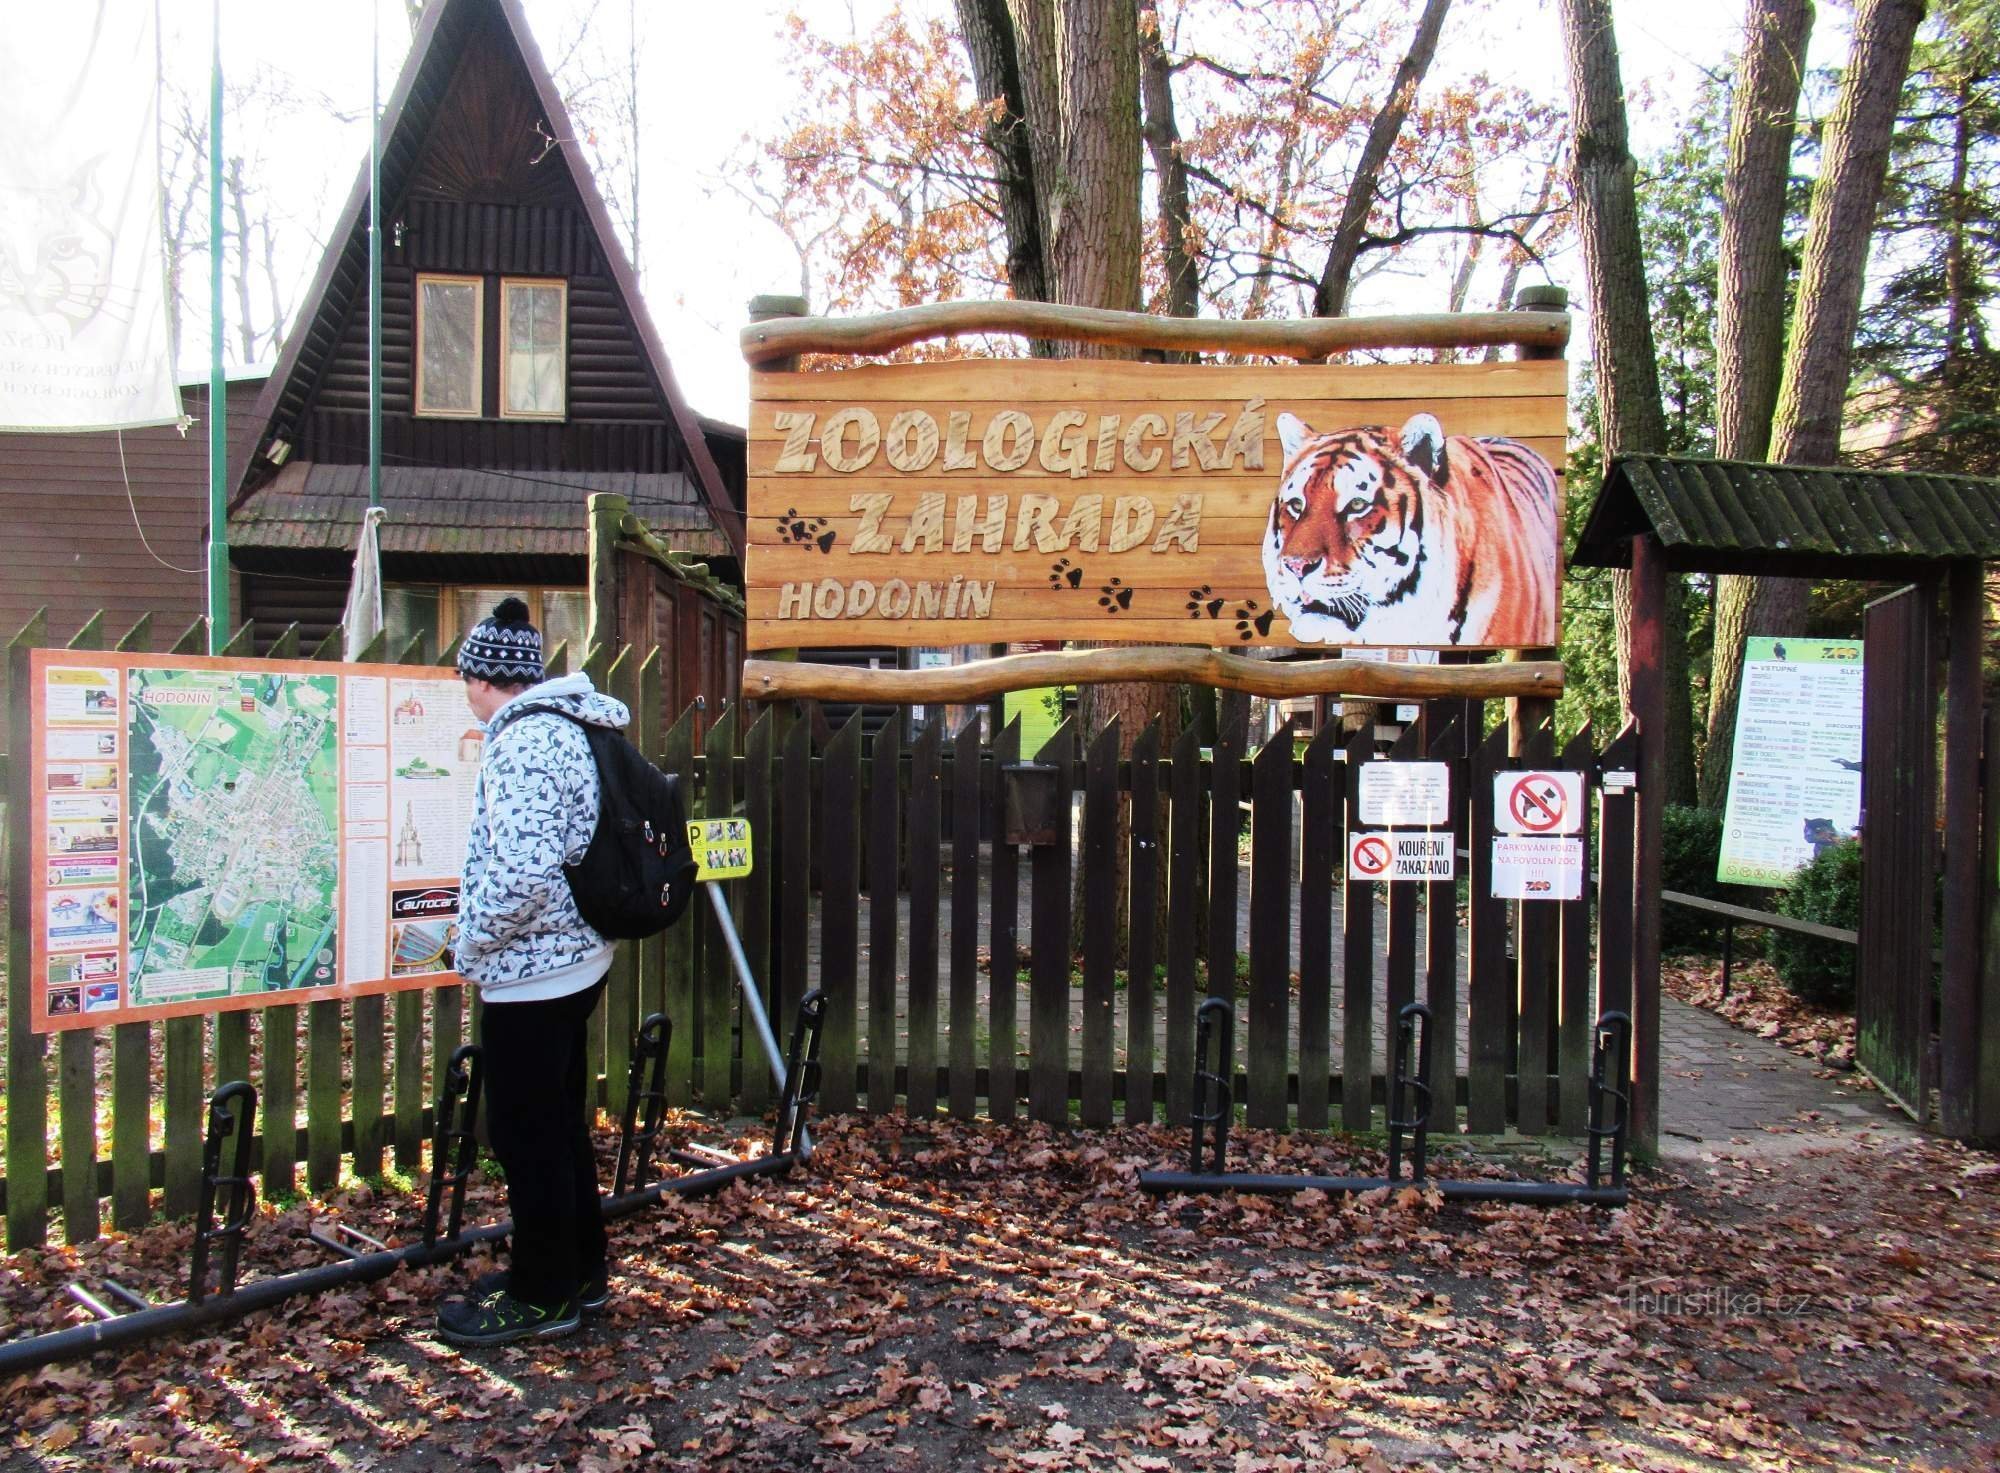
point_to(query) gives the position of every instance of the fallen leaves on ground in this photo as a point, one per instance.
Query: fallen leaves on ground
(1759, 1003)
(933, 1294)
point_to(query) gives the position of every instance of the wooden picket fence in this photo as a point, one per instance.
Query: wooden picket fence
(911, 837)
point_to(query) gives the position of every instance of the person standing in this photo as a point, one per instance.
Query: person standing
(540, 969)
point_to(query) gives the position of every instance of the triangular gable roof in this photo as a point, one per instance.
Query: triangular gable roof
(1728, 516)
(343, 269)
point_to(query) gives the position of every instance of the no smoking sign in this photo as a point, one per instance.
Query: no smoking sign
(1400, 856)
(1538, 802)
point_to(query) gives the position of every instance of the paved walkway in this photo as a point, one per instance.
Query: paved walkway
(1725, 1092)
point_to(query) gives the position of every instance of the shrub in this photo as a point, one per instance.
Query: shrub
(1690, 850)
(1827, 891)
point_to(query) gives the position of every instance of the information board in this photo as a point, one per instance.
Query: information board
(1795, 783)
(1412, 794)
(212, 831)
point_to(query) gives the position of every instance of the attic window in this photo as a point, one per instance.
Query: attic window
(448, 339)
(533, 316)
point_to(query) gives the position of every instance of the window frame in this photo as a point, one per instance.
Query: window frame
(478, 285)
(462, 604)
(508, 284)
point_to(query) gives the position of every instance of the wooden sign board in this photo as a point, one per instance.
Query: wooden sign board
(991, 501)
(208, 834)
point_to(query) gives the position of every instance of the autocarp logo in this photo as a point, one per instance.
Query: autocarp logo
(434, 900)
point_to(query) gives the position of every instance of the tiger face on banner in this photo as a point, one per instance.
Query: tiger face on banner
(983, 502)
(1387, 536)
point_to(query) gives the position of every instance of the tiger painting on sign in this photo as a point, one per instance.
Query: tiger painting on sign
(1380, 537)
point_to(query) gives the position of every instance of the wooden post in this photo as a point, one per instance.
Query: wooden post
(1988, 1121)
(1649, 709)
(1958, 1030)
(607, 510)
(763, 309)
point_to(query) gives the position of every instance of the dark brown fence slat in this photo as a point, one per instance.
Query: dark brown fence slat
(1005, 921)
(840, 910)
(754, 1084)
(716, 1016)
(1536, 948)
(795, 876)
(1321, 836)
(1142, 939)
(885, 832)
(1441, 940)
(1357, 972)
(964, 1028)
(1184, 901)
(1268, 1046)
(1987, 1089)
(1048, 941)
(1225, 822)
(1402, 941)
(1618, 812)
(597, 664)
(1573, 965)
(186, 1088)
(1100, 860)
(925, 839)
(677, 760)
(645, 732)
(621, 985)
(1490, 987)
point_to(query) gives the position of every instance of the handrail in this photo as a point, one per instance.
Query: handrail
(776, 680)
(1305, 338)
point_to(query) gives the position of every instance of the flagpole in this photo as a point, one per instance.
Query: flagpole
(218, 388)
(375, 255)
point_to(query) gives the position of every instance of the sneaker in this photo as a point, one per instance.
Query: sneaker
(500, 1319)
(593, 1296)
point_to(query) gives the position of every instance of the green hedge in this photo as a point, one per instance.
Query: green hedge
(1690, 851)
(1827, 891)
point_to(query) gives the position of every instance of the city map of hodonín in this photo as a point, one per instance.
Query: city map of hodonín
(233, 791)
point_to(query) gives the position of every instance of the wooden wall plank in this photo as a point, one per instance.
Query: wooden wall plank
(925, 831)
(1048, 942)
(839, 910)
(885, 834)
(1100, 859)
(1005, 922)
(1143, 934)
(1357, 969)
(1268, 1049)
(1184, 902)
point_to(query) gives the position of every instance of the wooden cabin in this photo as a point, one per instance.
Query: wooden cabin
(520, 375)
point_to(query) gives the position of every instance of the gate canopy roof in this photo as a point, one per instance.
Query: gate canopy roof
(1730, 516)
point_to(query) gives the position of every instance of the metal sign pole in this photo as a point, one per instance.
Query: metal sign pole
(751, 1001)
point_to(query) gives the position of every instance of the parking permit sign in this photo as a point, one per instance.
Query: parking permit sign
(1400, 856)
(1399, 794)
(1536, 868)
(1538, 802)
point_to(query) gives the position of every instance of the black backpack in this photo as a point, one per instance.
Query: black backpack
(637, 874)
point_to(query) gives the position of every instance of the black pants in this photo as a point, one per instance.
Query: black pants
(537, 1105)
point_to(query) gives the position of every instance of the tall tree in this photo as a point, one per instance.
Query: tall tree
(1750, 335)
(1626, 373)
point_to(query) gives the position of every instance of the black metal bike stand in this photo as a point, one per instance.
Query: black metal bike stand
(1409, 1114)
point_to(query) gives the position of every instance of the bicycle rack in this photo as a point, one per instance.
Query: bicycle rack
(454, 1147)
(1410, 1102)
(802, 1077)
(645, 1091)
(223, 1121)
(1213, 1018)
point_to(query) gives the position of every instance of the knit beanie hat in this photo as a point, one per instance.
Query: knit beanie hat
(503, 647)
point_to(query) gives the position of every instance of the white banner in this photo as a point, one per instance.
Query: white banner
(85, 343)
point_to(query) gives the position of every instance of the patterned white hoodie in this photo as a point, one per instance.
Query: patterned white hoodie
(521, 937)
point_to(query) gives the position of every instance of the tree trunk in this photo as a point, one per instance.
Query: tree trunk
(989, 43)
(1750, 338)
(1163, 142)
(1628, 381)
(1330, 298)
(1813, 395)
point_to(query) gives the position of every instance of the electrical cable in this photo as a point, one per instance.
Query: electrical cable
(133, 503)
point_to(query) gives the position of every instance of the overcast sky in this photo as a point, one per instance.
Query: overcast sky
(712, 72)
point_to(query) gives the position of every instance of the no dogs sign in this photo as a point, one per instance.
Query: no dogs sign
(1538, 802)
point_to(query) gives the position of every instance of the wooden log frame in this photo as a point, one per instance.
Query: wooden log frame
(776, 680)
(1306, 339)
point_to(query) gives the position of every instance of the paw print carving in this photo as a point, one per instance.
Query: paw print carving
(1065, 574)
(1250, 624)
(1114, 597)
(1201, 601)
(807, 531)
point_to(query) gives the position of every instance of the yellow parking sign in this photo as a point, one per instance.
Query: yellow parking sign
(721, 847)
